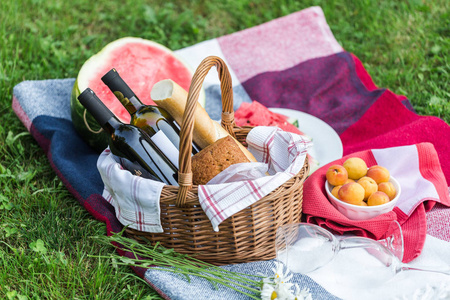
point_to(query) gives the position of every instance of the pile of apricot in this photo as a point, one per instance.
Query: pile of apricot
(356, 184)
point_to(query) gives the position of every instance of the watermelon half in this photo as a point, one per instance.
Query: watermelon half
(141, 63)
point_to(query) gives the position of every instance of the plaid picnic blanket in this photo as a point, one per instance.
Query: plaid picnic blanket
(292, 62)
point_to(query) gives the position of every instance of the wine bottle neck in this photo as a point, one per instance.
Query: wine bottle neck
(111, 124)
(97, 109)
(135, 105)
(122, 91)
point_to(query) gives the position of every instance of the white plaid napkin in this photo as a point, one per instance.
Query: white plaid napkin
(285, 154)
(136, 199)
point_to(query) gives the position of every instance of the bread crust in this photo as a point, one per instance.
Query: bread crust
(215, 158)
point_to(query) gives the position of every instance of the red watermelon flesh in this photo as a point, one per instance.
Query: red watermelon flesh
(141, 65)
(256, 114)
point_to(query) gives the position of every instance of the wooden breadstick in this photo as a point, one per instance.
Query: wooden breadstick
(172, 97)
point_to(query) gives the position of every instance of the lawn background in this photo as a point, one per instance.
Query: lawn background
(45, 235)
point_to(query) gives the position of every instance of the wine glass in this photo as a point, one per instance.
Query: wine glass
(393, 239)
(304, 248)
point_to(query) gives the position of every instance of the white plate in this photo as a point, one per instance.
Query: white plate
(327, 145)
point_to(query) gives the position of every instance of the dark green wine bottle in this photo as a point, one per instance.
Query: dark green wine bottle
(130, 142)
(151, 118)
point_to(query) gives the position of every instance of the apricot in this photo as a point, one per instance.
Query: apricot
(388, 188)
(379, 174)
(377, 198)
(363, 203)
(349, 180)
(356, 168)
(337, 175)
(352, 193)
(369, 185)
(335, 191)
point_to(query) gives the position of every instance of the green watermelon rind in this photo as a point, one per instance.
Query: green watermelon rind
(94, 136)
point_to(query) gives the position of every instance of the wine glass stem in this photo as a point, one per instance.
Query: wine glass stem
(408, 268)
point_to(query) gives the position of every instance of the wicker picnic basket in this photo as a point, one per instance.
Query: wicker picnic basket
(248, 235)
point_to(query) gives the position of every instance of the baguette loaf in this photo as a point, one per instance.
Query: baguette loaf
(172, 97)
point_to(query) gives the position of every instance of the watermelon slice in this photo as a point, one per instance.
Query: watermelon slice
(141, 63)
(256, 114)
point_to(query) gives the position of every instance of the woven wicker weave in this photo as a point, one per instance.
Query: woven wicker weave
(248, 235)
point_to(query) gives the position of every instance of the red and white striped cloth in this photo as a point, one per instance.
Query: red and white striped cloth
(136, 199)
(284, 152)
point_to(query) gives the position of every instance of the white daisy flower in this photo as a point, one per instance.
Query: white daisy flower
(279, 287)
(268, 292)
(301, 294)
(281, 276)
(283, 290)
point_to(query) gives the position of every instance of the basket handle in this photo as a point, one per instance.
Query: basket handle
(187, 125)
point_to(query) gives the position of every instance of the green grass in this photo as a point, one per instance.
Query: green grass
(45, 244)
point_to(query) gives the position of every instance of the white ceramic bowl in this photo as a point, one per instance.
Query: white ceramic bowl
(356, 212)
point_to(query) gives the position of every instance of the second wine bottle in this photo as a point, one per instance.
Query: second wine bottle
(155, 121)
